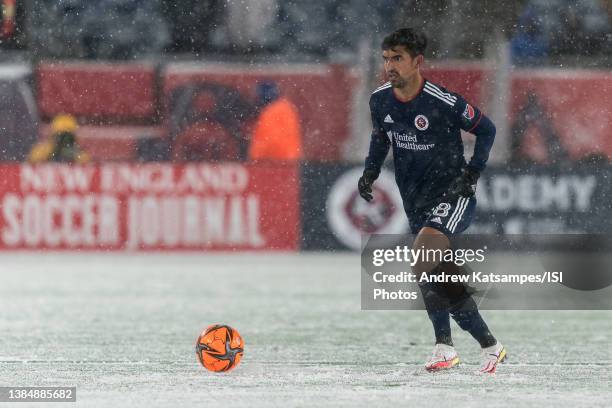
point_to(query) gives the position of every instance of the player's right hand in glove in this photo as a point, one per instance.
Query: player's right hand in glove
(365, 184)
(465, 184)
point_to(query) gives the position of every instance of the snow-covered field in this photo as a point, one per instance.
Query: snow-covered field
(121, 328)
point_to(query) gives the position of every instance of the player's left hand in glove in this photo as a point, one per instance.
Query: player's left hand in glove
(365, 184)
(465, 184)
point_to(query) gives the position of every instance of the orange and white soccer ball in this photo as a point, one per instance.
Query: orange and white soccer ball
(219, 348)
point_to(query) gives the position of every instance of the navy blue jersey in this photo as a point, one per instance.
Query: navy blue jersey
(425, 133)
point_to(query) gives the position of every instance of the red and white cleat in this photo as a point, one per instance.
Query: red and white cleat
(491, 357)
(443, 357)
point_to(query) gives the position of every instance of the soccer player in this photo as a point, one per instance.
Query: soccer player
(423, 123)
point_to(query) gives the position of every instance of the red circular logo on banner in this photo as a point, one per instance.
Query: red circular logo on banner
(349, 216)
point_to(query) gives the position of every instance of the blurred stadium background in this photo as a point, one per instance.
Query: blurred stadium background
(162, 97)
(160, 86)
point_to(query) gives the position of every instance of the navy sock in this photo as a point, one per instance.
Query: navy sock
(441, 324)
(437, 310)
(468, 317)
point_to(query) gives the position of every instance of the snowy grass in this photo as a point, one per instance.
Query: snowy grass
(121, 328)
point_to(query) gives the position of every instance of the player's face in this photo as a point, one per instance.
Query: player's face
(400, 66)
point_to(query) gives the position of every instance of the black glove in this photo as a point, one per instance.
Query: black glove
(365, 184)
(465, 184)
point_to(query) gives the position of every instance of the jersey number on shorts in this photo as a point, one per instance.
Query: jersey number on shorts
(442, 210)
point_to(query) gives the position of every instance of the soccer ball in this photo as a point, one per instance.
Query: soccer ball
(219, 348)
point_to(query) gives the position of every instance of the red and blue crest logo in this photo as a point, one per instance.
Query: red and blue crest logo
(469, 112)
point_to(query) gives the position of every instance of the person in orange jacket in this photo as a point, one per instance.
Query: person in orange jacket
(62, 145)
(277, 133)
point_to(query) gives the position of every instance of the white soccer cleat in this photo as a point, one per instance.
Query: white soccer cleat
(442, 358)
(492, 356)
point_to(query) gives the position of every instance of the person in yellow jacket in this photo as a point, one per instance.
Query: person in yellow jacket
(277, 134)
(62, 145)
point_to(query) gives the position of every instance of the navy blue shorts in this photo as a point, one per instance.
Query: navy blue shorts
(450, 217)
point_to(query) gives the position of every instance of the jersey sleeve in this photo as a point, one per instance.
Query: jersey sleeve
(466, 116)
(472, 120)
(379, 142)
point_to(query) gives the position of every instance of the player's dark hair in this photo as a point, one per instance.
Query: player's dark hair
(412, 39)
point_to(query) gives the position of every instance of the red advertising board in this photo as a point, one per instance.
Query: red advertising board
(571, 107)
(115, 91)
(149, 207)
(322, 94)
